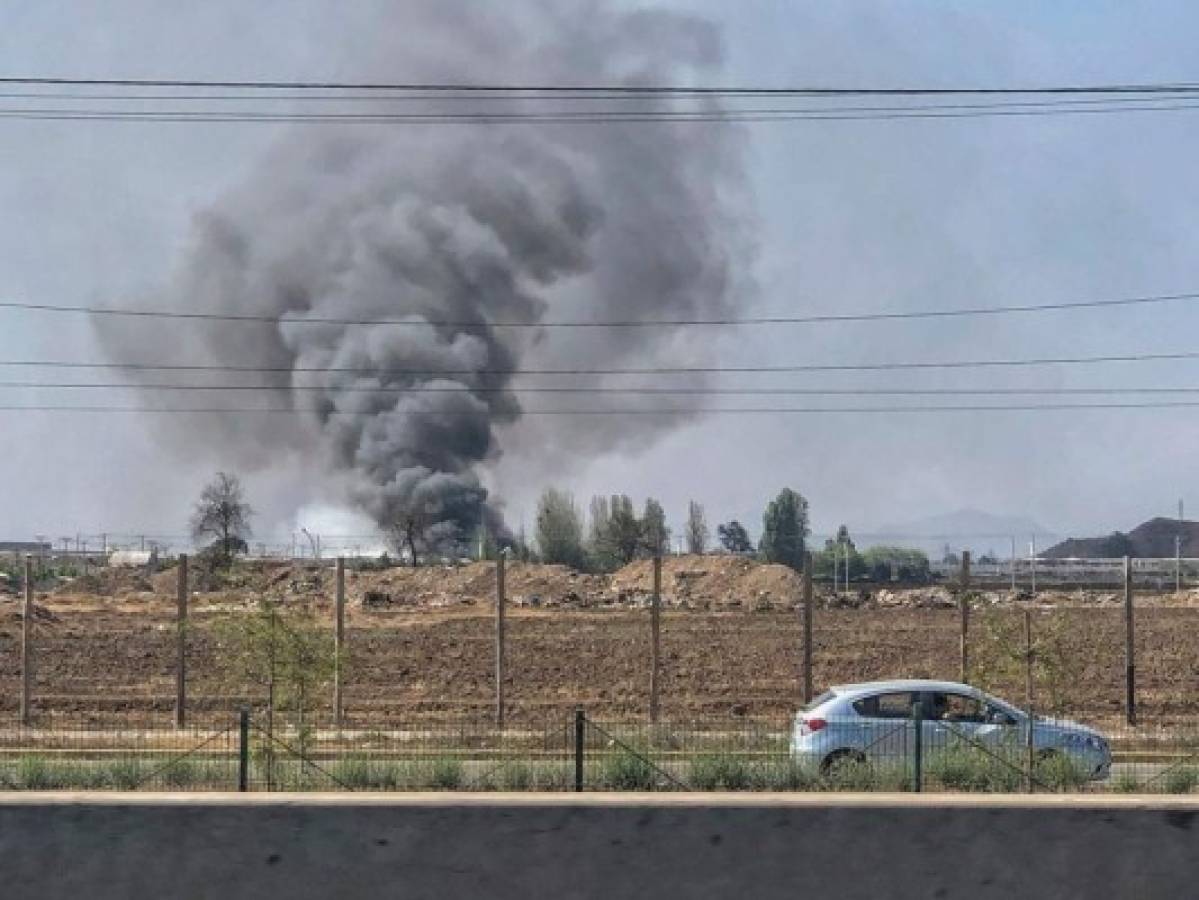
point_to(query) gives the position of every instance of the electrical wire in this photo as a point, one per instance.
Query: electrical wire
(645, 370)
(605, 390)
(632, 411)
(535, 118)
(645, 89)
(724, 321)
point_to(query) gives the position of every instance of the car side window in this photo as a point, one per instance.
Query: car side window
(957, 708)
(996, 716)
(885, 706)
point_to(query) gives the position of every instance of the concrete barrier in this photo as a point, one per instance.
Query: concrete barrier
(757, 847)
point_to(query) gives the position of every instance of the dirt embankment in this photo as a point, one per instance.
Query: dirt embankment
(704, 583)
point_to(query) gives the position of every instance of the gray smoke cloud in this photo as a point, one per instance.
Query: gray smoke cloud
(473, 225)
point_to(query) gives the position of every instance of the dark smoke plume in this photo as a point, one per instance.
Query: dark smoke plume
(474, 224)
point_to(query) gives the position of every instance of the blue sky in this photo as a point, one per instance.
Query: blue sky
(852, 216)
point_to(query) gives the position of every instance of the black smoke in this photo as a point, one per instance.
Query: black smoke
(469, 225)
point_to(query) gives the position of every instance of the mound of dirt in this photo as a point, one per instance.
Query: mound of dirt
(112, 582)
(437, 587)
(711, 582)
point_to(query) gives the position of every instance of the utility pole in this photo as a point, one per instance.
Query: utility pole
(27, 647)
(1028, 697)
(847, 568)
(1013, 564)
(1130, 669)
(500, 635)
(1032, 559)
(1178, 551)
(964, 609)
(807, 628)
(655, 640)
(1178, 563)
(181, 643)
(339, 641)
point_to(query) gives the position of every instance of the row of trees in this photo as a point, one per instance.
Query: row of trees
(613, 534)
(874, 563)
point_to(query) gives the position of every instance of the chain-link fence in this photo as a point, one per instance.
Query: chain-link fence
(579, 753)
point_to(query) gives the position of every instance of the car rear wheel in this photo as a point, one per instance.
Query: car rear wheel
(839, 760)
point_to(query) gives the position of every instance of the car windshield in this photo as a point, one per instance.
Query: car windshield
(1004, 705)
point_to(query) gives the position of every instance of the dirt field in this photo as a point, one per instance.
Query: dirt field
(421, 643)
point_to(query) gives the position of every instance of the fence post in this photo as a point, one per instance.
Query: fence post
(1130, 670)
(181, 643)
(27, 645)
(964, 608)
(580, 738)
(807, 628)
(339, 643)
(655, 657)
(1029, 745)
(500, 602)
(918, 747)
(243, 750)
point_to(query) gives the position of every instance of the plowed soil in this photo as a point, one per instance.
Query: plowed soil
(421, 644)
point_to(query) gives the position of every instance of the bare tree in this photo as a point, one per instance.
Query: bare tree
(697, 528)
(409, 528)
(223, 514)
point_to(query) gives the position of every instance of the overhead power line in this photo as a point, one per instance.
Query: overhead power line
(558, 89)
(814, 104)
(606, 390)
(633, 411)
(565, 118)
(418, 321)
(643, 370)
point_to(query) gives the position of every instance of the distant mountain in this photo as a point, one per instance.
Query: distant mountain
(967, 523)
(1154, 538)
(965, 529)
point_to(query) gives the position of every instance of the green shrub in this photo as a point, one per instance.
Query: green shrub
(1060, 772)
(786, 775)
(970, 769)
(553, 777)
(361, 773)
(34, 773)
(1125, 783)
(1180, 780)
(445, 774)
(515, 775)
(182, 773)
(720, 771)
(625, 771)
(850, 774)
(125, 774)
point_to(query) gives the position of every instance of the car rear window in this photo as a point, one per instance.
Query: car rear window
(820, 701)
(893, 705)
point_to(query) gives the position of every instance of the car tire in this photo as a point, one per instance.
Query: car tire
(839, 758)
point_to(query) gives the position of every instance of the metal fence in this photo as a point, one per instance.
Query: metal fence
(579, 753)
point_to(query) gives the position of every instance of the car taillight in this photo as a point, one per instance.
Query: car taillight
(815, 724)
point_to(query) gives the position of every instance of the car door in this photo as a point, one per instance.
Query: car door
(953, 718)
(1001, 733)
(885, 725)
